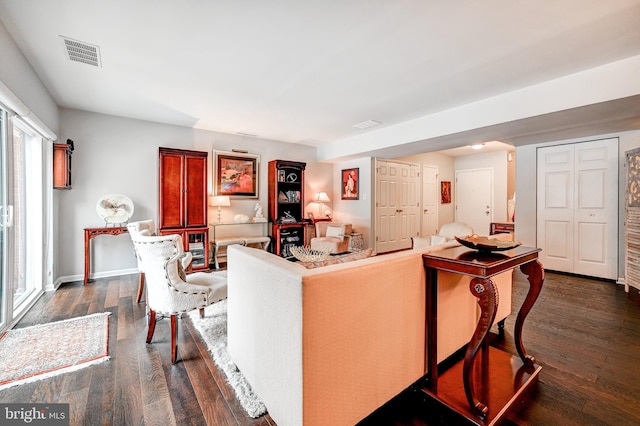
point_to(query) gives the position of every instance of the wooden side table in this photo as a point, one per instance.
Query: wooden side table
(357, 241)
(498, 378)
(91, 233)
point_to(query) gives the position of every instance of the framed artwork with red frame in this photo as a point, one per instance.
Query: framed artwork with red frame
(350, 184)
(445, 192)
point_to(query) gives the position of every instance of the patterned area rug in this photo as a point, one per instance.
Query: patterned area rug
(35, 353)
(213, 328)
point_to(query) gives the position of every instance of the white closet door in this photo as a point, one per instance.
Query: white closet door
(386, 206)
(430, 199)
(596, 218)
(577, 208)
(397, 205)
(556, 207)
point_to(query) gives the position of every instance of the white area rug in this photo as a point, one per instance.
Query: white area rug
(213, 328)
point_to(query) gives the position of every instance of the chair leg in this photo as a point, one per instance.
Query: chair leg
(140, 287)
(174, 338)
(152, 325)
(201, 312)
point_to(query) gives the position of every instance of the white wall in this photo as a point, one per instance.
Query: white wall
(318, 178)
(120, 155)
(526, 169)
(16, 73)
(356, 212)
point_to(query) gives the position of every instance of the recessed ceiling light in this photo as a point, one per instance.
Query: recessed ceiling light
(477, 146)
(366, 124)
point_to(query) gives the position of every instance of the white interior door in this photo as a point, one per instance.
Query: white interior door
(409, 203)
(596, 208)
(577, 208)
(386, 206)
(397, 205)
(556, 207)
(429, 201)
(474, 199)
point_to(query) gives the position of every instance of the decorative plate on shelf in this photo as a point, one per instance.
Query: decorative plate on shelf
(487, 244)
(114, 208)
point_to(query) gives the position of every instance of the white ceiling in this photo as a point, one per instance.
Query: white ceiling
(307, 71)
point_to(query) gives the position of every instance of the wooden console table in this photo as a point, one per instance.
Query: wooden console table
(481, 391)
(91, 233)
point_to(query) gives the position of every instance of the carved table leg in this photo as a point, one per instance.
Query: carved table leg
(487, 294)
(535, 275)
(431, 311)
(87, 257)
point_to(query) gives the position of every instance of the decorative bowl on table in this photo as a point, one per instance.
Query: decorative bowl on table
(306, 254)
(486, 244)
(241, 218)
(114, 208)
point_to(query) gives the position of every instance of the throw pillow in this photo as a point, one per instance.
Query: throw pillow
(334, 231)
(339, 259)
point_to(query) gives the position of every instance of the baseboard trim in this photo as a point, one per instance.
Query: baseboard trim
(80, 277)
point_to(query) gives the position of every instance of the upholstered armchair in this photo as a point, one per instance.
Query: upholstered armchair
(148, 228)
(333, 236)
(169, 291)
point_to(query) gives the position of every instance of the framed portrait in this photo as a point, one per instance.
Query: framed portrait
(236, 174)
(445, 192)
(350, 184)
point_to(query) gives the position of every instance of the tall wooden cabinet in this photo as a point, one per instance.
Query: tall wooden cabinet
(286, 205)
(183, 201)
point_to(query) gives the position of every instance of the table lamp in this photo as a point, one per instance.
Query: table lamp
(220, 201)
(321, 197)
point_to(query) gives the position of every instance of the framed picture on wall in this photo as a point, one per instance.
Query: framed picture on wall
(236, 174)
(445, 192)
(350, 184)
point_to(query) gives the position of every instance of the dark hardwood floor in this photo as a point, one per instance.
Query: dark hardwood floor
(138, 385)
(585, 334)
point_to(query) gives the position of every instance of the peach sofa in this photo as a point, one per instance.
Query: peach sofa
(328, 346)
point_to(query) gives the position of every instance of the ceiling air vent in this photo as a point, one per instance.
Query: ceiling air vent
(366, 124)
(78, 51)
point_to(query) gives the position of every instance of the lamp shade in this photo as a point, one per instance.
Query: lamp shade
(322, 197)
(220, 200)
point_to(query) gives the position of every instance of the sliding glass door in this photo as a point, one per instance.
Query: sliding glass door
(27, 215)
(22, 224)
(4, 300)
